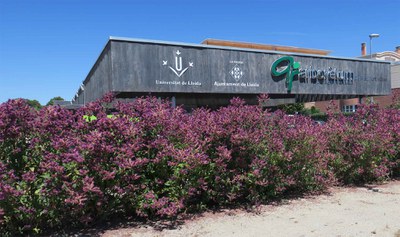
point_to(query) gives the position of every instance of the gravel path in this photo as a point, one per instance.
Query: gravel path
(359, 211)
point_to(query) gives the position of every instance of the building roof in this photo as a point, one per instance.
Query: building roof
(243, 49)
(269, 47)
(386, 55)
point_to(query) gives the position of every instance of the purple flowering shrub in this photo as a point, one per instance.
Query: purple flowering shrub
(57, 167)
(365, 145)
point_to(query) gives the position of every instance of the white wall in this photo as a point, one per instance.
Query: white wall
(395, 74)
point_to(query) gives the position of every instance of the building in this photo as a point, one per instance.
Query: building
(211, 73)
(394, 58)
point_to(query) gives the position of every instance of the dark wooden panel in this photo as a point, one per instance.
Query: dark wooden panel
(99, 80)
(141, 67)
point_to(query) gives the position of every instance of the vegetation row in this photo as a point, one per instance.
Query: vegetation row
(59, 168)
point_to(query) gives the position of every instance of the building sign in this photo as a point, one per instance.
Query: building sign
(235, 76)
(326, 76)
(287, 67)
(290, 70)
(178, 69)
(284, 67)
(236, 72)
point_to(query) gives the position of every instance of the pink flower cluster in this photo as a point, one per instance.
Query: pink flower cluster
(59, 168)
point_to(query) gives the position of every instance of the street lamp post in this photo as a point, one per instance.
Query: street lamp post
(370, 43)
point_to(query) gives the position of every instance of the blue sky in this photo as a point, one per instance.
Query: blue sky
(47, 47)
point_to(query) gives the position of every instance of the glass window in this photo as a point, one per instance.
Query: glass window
(349, 108)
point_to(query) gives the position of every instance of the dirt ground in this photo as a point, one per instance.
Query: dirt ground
(357, 211)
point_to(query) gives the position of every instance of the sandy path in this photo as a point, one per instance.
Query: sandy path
(346, 212)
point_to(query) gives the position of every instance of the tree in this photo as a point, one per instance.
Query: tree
(311, 111)
(292, 108)
(34, 104)
(51, 101)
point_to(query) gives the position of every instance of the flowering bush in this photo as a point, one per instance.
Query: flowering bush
(365, 145)
(60, 167)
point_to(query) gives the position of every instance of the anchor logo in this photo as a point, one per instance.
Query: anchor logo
(178, 64)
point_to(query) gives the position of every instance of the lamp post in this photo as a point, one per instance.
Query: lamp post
(370, 43)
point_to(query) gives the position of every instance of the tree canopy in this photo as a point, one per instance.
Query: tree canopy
(34, 104)
(51, 101)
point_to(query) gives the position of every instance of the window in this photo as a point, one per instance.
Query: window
(349, 108)
(390, 59)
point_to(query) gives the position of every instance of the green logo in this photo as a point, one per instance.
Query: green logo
(286, 66)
